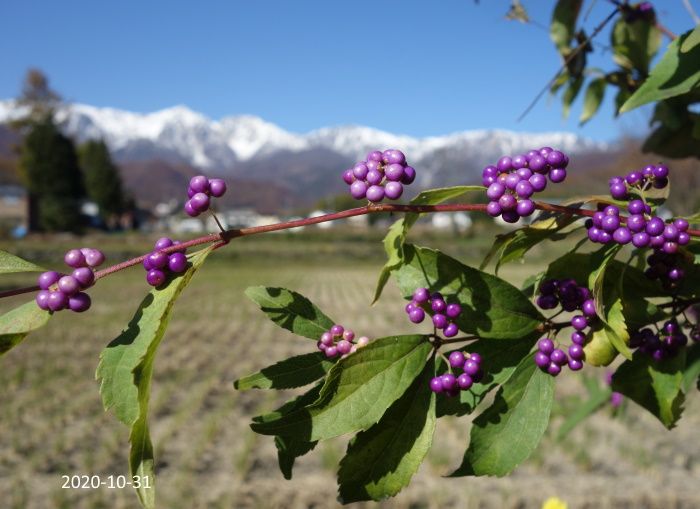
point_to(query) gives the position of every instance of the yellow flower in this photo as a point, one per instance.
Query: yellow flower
(554, 503)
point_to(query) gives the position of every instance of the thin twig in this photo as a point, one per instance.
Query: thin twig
(691, 11)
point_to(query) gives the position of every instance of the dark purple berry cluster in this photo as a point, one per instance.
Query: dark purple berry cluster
(668, 268)
(571, 297)
(662, 344)
(641, 11)
(469, 364)
(651, 176)
(61, 291)
(551, 359)
(159, 264)
(338, 341)
(382, 175)
(514, 180)
(444, 314)
(200, 192)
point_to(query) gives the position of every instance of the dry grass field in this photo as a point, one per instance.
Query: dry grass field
(52, 422)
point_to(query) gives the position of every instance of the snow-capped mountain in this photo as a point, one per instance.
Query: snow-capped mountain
(248, 146)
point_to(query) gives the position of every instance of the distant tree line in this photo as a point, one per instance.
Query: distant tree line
(59, 177)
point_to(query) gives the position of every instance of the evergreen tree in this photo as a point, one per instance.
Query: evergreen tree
(49, 167)
(102, 180)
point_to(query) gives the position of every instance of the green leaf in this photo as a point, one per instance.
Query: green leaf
(358, 390)
(287, 374)
(491, 307)
(381, 461)
(290, 310)
(396, 236)
(126, 366)
(635, 44)
(592, 99)
(500, 358)
(654, 385)
(570, 94)
(513, 246)
(10, 263)
(507, 432)
(563, 25)
(15, 325)
(676, 73)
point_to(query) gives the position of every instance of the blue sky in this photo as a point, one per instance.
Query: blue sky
(413, 67)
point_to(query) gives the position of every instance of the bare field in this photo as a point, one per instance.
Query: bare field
(52, 422)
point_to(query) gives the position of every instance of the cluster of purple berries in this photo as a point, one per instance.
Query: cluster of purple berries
(382, 175)
(338, 341)
(650, 176)
(572, 297)
(642, 228)
(664, 344)
(158, 264)
(443, 313)
(469, 364)
(668, 268)
(61, 291)
(200, 192)
(514, 180)
(551, 359)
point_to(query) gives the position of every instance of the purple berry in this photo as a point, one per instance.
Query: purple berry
(375, 193)
(155, 277)
(42, 299)
(163, 243)
(475, 357)
(217, 187)
(635, 207)
(453, 310)
(450, 330)
(337, 330)
(575, 364)
(683, 238)
(409, 175)
(505, 163)
(671, 232)
(448, 381)
(576, 352)
(331, 351)
(359, 171)
(79, 302)
(681, 224)
(538, 182)
(545, 345)
(493, 209)
(200, 202)
(190, 210)
(393, 156)
(374, 177)
(537, 163)
(393, 190)
(157, 260)
(553, 369)
(578, 338)
(525, 208)
(199, 184)
(542, 359)
(655, 226)
(344, 347)
(660, 171)
(507, 202)
(471, 367)
(464, 381)
(47, 279)
(670, 247)
(439, 321)
(588, 307)
(57, 300)
(524, 189)
(622, 235)
(358, 189)
(375, 155)
(417, 315)
(457, 359)
(636, 223)
(421, 295)
(177, 262)
(326, 338)
(579, 322)
(436, 384)
(495, 191)
(557, 175)
(348, 177)
(618, 191)
(610, 223)
(558, 356)
(74, 258)
(68, 285)
(394, 172)
(93, 257)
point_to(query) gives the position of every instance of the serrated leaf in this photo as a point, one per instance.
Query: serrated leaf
(563, 25)
(654, 385)
(396, 236)
(500, 358)
(15, 325)
(676, 73)
(507, 432)
(287, 374)
(592, 99)
(290, 310)
(491, 307)
(126, 366)
(358, 390)
(10, 263)
(381, 461)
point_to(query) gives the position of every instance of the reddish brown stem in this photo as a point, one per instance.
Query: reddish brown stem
(224, 237)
